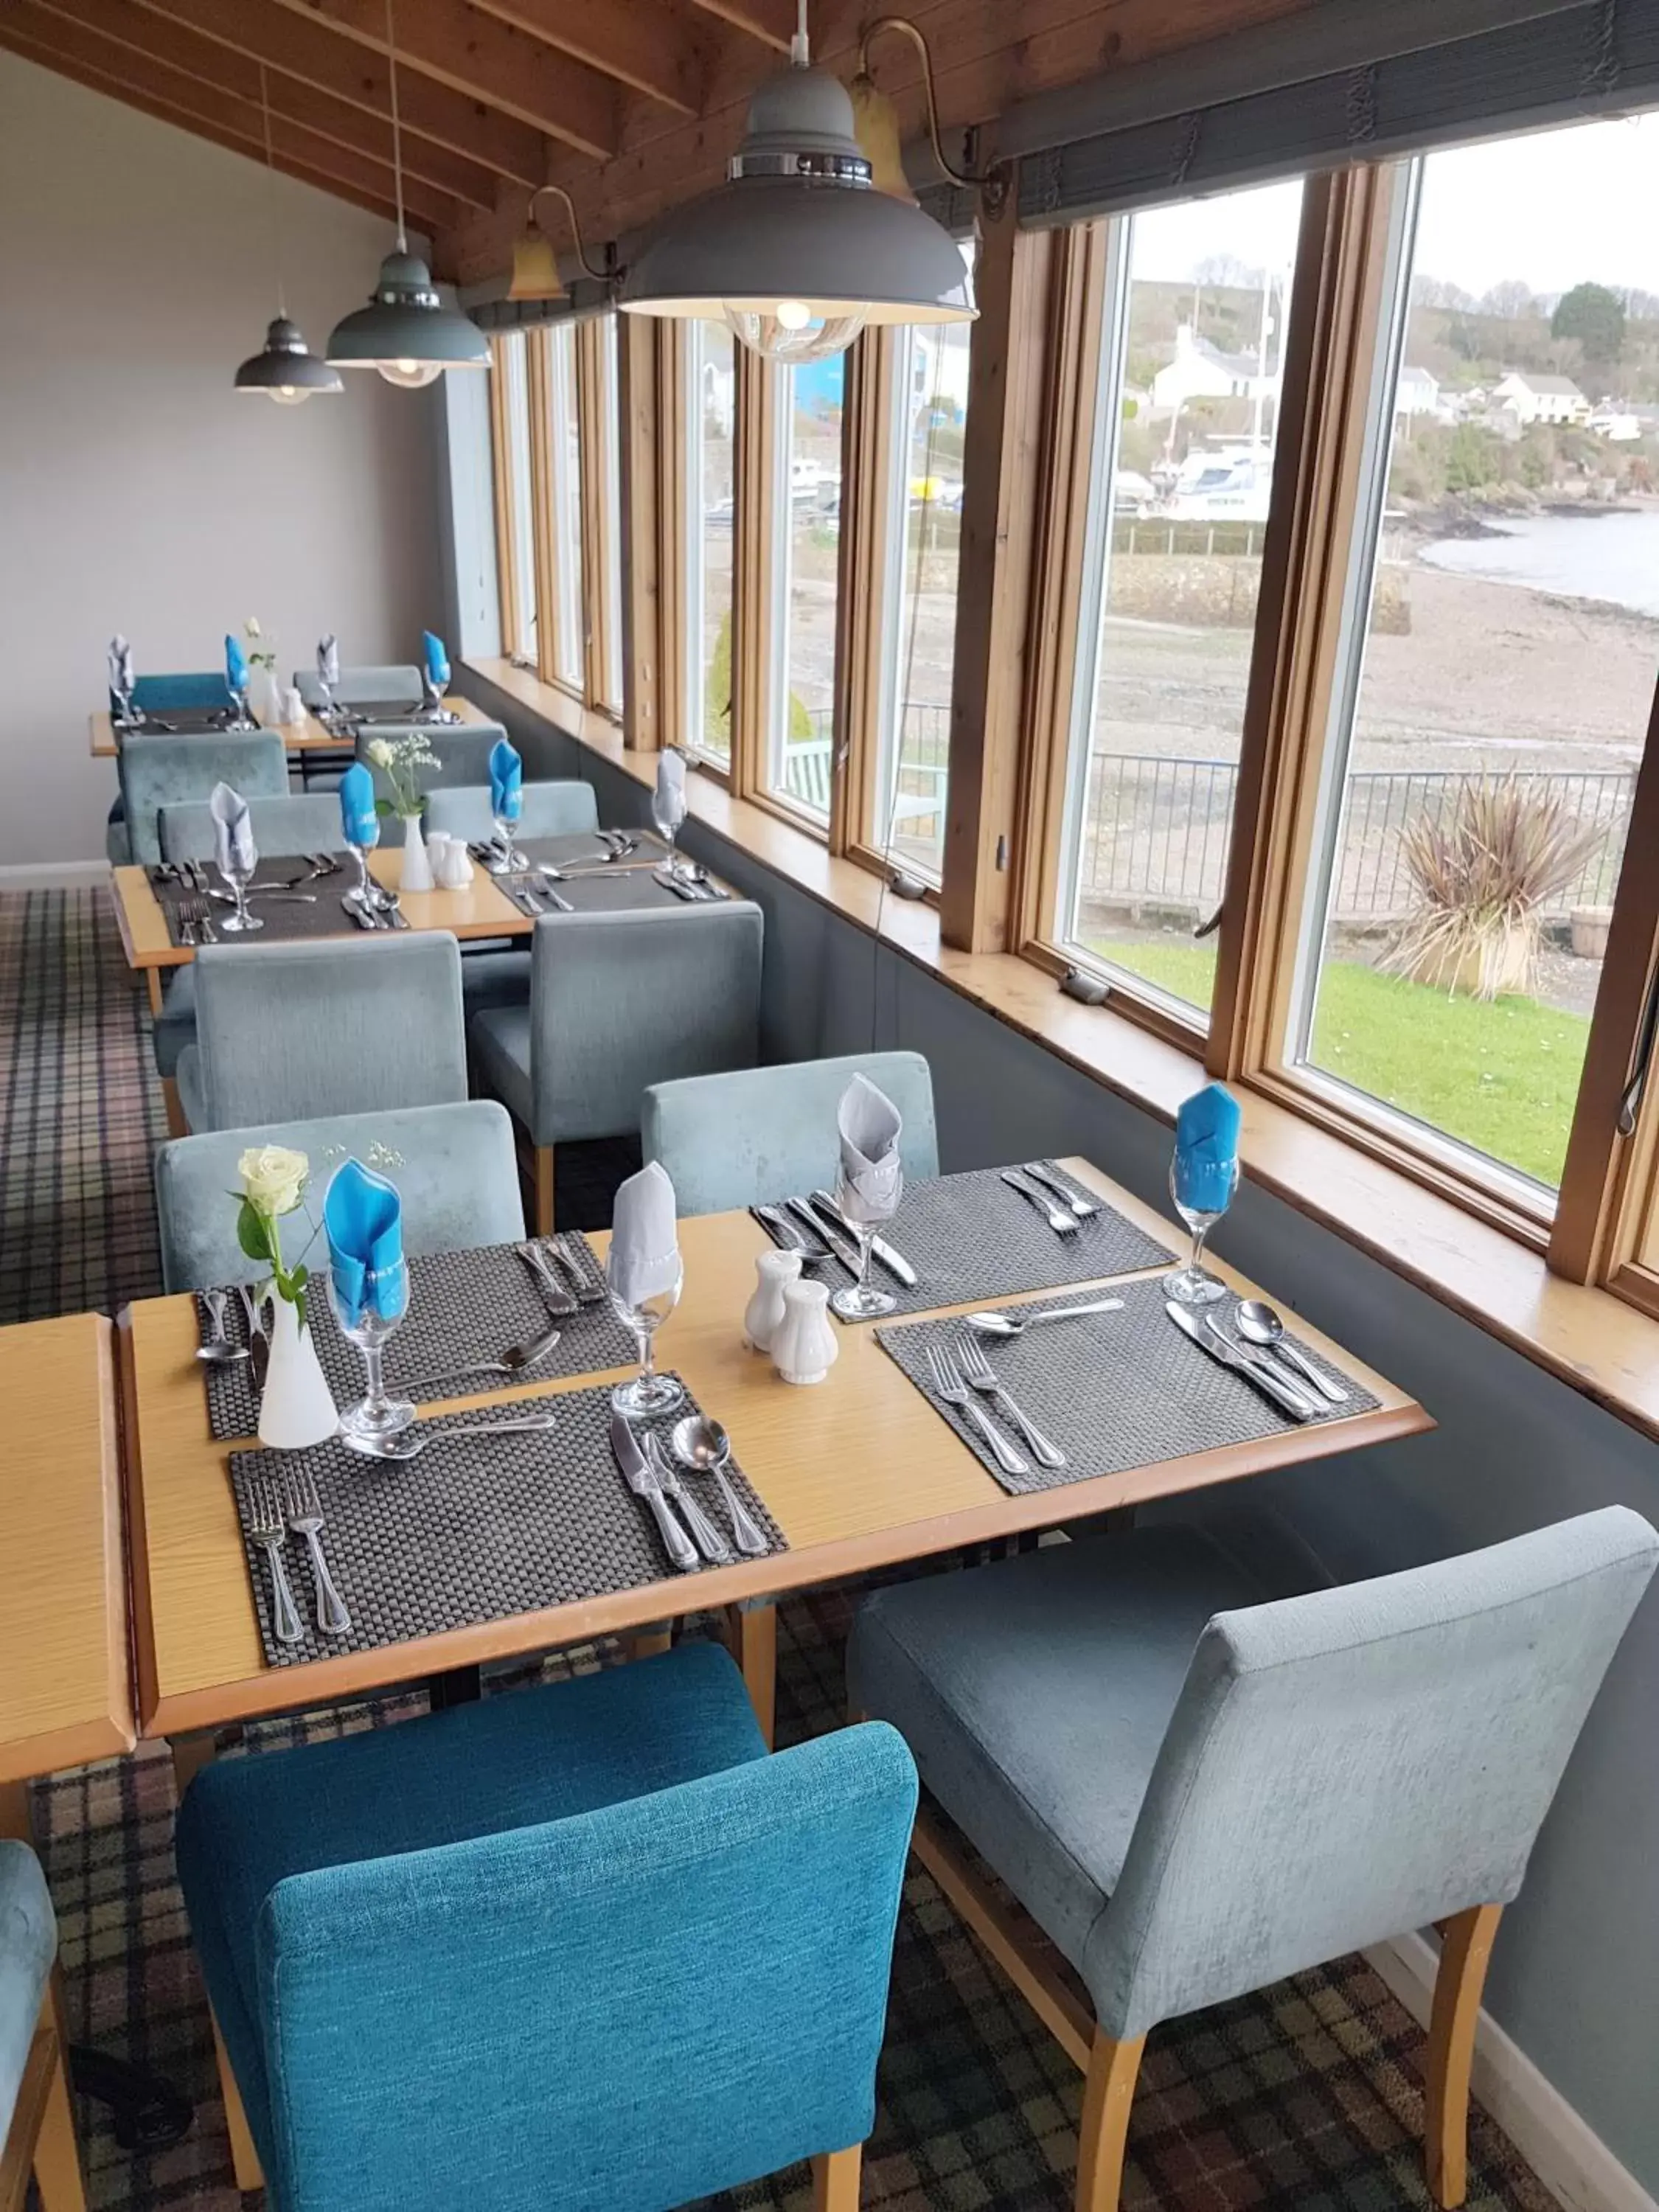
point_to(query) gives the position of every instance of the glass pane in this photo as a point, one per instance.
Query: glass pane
(609, 418)
(710, 509)
(564, 455)
(520, 495)
(929, 429)
(1502, 646)
(807, 505)
(1197, 306)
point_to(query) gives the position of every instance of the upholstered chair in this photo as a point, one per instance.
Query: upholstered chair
(561, 809)
(619, 1000)
(344, 1025)
(394, 685)
(764, 1134)
(37, 2126)
(190, 692)
(169, 771)
(453, 1166)
(586, 1945)
(1194, 1792)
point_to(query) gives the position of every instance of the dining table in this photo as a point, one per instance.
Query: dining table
(308, 735)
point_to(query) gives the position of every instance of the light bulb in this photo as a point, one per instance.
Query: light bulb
(777, 336)
(793, 314)
(289, 395)
(410, 376)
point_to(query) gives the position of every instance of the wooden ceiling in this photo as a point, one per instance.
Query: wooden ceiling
(631, 105)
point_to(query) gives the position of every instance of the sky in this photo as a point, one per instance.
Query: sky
(1555, 209)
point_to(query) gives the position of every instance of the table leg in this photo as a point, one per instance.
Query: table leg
(153, 985)
(752, 1631)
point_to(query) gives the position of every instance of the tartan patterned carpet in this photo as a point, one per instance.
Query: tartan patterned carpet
(1306, 2096)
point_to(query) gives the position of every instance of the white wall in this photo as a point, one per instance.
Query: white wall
(138, 491)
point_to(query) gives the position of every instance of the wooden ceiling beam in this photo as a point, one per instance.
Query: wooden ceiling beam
(129, 28)
(649, 47)
(772, 22)
(474, 53)
(313, 55)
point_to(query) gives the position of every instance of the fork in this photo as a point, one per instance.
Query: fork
(196, 915)
(949, 1386)
(572, 1255)
(1063, 1225)
(1084, 1208)
(704, 1534)
(305, 1518)
(267, 1529)
(560, 1302)
(979, 1375)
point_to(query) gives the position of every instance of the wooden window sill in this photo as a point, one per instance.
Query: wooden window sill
(1587, 1339)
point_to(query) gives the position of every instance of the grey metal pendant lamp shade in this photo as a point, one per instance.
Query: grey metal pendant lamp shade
(284, 369)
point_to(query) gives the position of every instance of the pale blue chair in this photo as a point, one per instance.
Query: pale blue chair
(37, 2126)
(344, 1025)
(562, 809)
(193, 692)
(1194, 1793)
(586, 1945)
(453, 1166)
(763, 1134)
(393, 684)
(619, 1000)
(171, 771)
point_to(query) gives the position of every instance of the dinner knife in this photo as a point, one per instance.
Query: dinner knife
(804, 1209)
(1288, 1400)
(891, 1258)
(643, 1483)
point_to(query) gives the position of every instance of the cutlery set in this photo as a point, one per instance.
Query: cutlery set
(651, 1469)
(276, 1510)
(1261, 1353)
(961, 1376)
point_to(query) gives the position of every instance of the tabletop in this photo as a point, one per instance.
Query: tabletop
(309, 736)
(65, 1674)
(858, 1471)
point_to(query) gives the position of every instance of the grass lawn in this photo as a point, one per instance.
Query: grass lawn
(1503, 1076)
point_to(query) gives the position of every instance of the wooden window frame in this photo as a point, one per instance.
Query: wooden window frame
(649, 704)
(553, 647)
(505, 500)
(597, 437)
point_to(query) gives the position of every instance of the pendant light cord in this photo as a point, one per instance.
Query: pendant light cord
(396, 131)
(270, 168)
(800, 53)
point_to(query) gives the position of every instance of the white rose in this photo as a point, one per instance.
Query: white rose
(253, 629)
(273, 1177)
(380, 752)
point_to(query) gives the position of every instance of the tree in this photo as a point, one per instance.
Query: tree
(1511, 299)
(1594, 317)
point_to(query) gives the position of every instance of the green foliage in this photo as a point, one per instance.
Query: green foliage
(1474, 458)
(250, 1233)
(717, 697)
(1594, 317)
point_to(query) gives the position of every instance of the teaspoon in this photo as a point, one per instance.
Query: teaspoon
(1258, 1323)
(218, 1350)
(998, 1324)
(702, 1447)
(513, 1361)
(411, 1443)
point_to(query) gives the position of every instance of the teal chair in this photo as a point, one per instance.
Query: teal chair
(766, 1134)
(157, 772)
(562, 809)
(391, 685)
(200, 689)
(37, 2126)
(619, 1000)
(1195, 1791)
(586, 1945)
(453, 1166)
(342, 1025)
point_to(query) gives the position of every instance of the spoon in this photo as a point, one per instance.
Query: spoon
(511, 1362)
(790, 1239)
(1258, 1323)
(702, 1447)
(218, 1350)
(997, 1324)
(411, 1443)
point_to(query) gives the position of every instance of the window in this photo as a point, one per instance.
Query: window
(1191, 346)
(805, 492)
(566, 663)
(710, 508)
(518, 580)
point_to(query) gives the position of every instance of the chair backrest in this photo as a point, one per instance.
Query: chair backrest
(304, 822)
(766, 1134)
(1347, 1765)
(171, 771)
(562, 809)
(453, 1165)
(461, 750)
(201, 688)
(622, 999)
(347, 1025)
(756, 1905)
(391, 685)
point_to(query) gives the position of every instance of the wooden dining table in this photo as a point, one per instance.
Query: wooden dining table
(306, 736)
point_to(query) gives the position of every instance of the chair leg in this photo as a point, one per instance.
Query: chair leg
(1466, 1947)
(752, 1633)
(244, 2158)
(648, 1643)
(1109, 2093)
(57, 2156)
(153, 985)
(177, 1125)
(543, 1190)
(835, 2179)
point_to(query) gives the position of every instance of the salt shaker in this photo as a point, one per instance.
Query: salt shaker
(294, 707)
(774, 1271)
(458, 866)
(804, 1347)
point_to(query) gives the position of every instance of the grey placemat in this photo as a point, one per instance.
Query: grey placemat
(462, 1305)
(971, 1236)
(284, 920)
(1113, 1391)
(470, 1532)
(605, 888)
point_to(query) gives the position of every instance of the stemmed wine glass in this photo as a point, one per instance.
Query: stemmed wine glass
(667, 813)
(511, 861)
(238, 877)
(367, 1321)
(1203, 1181)
(864, 1210)
(649, 1392)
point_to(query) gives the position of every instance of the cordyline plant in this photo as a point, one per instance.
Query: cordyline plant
(1483, 873)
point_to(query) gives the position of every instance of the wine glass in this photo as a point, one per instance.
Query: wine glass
(667, 812)
(511, 861)
(363, 892)
(238, 877)
(368, 1322)
(863, 1211)
(1204, 1181)
(649, 1392)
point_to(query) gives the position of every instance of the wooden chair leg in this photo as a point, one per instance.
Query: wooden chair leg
(244, 2158)
(177, 1125)
(647, 1643)
(1466, 1947)
(1107, 2094)
(752, 1633)
(57, 2155)
(153, 985)
(543, 1190)
(836, 2176)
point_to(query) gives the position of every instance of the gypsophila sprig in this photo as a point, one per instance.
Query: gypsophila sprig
(401, 761)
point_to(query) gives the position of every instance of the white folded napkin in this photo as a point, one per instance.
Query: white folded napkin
(870, 1127)
(233, 850)
(644, 1260)
(120, 667)
(671, 789)
(328, 661)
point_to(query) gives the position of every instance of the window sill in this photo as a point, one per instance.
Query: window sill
(1587, 1339)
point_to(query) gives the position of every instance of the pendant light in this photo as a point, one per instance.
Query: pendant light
(798, 251)
(405, 332)
(535, 264)
(283, 367)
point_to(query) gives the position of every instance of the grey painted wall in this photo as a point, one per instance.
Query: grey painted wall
(138, 491)
(1577, 1963)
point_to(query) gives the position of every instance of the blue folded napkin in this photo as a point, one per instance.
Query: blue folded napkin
(235, 668)
(437, 660)
(362, 824)
(506, 781)
(364, 1219)
(1207, 1150)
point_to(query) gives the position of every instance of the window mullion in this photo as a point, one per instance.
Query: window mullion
(865, 553)
(500, 456)
(755, 548)
(538, 370)
(645, 429)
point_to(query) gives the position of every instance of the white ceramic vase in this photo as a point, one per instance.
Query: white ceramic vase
(804, 1347)
(265, 697)
(417, 867)
(774, 1271)
(296, 1407)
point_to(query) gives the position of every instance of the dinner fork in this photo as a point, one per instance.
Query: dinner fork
(1083, 1207)
(704, 1534)
(560, 1302)
(1063, 1225)
(196, 915)
(979, 1375)
(267, 1529)
(305, 1518)
(949, 1386)
(572, 1254)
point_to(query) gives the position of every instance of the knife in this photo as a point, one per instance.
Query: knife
(259, 1343)
(804, 1209)
(1289, 1400)
(643, 1483)
(893, 1259)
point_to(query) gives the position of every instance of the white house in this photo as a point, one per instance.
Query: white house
(1620, 426)
(1202, 371)
(1416, 392)
(1532, 399)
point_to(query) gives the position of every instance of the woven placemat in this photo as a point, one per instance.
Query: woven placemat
(462, 1306)
(1113, 1390)
(284, 920)
(598, 888)
(470, 1532)
(184, 722)
(971, 1236)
